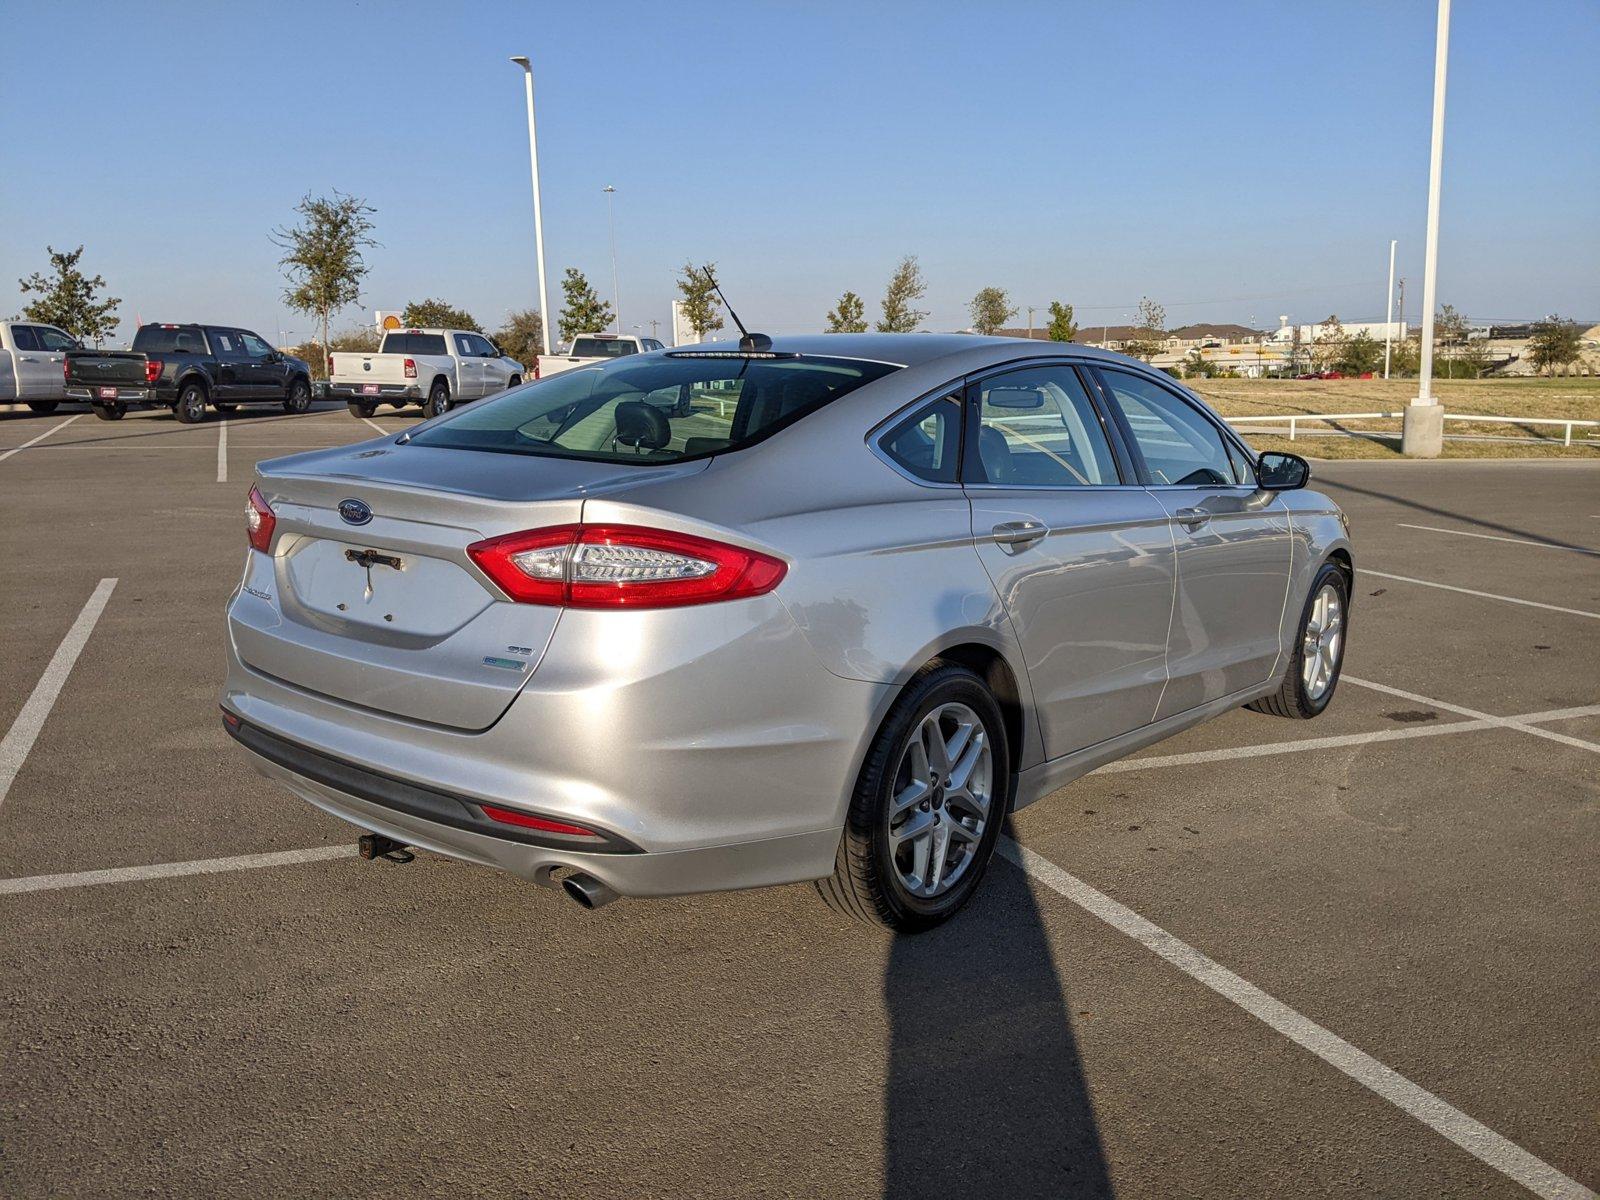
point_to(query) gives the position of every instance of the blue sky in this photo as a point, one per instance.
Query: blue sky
(1232, 161)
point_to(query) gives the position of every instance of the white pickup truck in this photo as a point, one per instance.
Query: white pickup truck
(438, 368)
(31, 354)
(590, 348)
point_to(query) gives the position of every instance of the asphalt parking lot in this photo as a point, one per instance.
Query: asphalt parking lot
(1355, 956)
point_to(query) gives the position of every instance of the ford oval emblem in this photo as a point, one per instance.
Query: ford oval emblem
(354, 512)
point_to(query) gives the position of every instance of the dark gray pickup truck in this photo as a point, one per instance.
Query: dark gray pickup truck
(188, 368)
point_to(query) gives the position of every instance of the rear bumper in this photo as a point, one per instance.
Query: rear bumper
(386, 391)
(125, 393)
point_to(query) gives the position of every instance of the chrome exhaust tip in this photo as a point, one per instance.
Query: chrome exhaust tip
(587, 891)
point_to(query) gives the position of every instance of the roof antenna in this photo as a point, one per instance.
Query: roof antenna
(747, 340)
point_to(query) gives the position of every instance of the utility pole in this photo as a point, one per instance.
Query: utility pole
(1388, 314)
(1422, 434)
(616, 292)
(1030, 321)
(538, 217)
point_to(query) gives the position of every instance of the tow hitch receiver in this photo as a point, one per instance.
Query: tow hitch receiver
(372, 846)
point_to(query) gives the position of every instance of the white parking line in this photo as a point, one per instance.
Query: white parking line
(376, 426)
(40, 438)
(1475, 1138)
(25, 729)
(1575, 612)
(204, 866)
(1521, 724)
(1491, 537)
(222, 452)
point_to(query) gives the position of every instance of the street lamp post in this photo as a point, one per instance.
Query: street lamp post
(611, 220)
(1423, 431)
(538, 215)
(1388, 312)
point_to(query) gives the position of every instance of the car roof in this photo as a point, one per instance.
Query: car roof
(909, 349)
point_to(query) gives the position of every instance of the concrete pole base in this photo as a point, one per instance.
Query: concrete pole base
(1422, 434)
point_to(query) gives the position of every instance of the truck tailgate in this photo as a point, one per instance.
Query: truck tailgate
(351, 367)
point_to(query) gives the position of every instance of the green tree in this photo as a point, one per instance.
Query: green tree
(68, 299)
(322, 260)
(1151, 328)
(1327, 346)
(521, 336)
(698, 287)
(1361, 354)
(849, 315)
(990, 308)
(582, 310)
(1062, 327)
(436, 314)
(364, 339)
(1449, 336)
(906, 287)
(1554, 343)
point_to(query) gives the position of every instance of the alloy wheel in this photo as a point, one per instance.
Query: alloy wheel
(1323, 642)
(939, 806)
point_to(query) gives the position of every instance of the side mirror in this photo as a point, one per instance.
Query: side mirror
(1280, 472)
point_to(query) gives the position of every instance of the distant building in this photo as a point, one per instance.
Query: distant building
(1376, 330)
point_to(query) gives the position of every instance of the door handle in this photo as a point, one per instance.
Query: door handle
(1019, 534)
(1192, 518)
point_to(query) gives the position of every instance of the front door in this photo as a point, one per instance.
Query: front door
(496, 372)
(265, 373)
(1081, 557)
(1233, 539)
(53, 346)
(469, 369)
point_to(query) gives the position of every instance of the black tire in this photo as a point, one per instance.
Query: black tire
(191, 406)
(1294, 699)
(42, 407)
(438, 402)
(514, 381)
(298, 399)
(108, 412)
(865, 883)
(363, 411)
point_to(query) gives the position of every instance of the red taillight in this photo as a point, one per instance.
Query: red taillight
(411, 368)
(623, 566)
(536, 366)
(152, 370)
(330, 366)
(510, 816)
(66, 373)
(259, 522)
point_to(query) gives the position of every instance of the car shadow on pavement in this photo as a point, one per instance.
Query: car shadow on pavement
(985, 1092)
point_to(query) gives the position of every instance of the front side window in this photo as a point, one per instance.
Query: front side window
(54, 340)
(481, 346)
(1038, 428)
(639, 410)
(1180, 447)
(254, 346)
(927, 444)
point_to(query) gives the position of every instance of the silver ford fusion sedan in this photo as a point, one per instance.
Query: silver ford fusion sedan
(816, 608)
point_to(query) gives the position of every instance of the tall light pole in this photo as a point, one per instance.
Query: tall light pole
(616, 292)
(1388, 312)
(1423, 431)
(538, 215)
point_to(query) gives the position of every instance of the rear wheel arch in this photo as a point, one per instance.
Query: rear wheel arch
(990, 665)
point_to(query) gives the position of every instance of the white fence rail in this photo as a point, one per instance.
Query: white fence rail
(1293, 419)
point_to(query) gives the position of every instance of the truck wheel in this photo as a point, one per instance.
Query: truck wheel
(514, 381)
(108, 412)
(43, 406)
(438, 400)
(299, 398)
(363, 411)
(191, 406)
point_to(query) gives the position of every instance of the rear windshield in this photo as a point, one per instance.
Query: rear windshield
(593, 347)
(414, 343)
(639, 410)
(158, 339)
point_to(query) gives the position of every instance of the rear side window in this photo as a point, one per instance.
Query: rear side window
(179, 339)
(1037, 428)
(927, 444)
(591, 347)
(225, 343)
(25, 337)
(653, 410)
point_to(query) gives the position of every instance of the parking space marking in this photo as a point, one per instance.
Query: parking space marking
(1493, 537)
(1446, 587)
(1521, 724)
(222, 452)
(376, 426)
(1475, 1138)
(25, 729)
(40, 438)
(172, 870)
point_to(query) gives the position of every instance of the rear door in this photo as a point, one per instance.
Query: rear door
(231, 374)
(469, 367)
(1081, 555)
(1233, 542)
